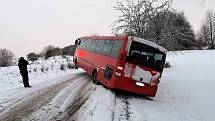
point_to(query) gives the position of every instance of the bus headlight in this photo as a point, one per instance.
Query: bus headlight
(118, 73)
(140, 84)
(120, 68)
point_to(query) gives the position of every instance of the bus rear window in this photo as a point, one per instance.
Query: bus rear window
(146, 55)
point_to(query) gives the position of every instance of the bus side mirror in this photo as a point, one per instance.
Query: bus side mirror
(76, 41)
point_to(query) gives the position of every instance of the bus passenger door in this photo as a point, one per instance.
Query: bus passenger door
(108, 75)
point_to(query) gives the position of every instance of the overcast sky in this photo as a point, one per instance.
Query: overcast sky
(30, 25)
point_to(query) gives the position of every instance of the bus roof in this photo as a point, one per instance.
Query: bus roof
(152, 44)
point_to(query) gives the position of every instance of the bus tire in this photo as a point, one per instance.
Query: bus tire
(94, 76)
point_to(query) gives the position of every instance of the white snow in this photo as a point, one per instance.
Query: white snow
(99, 107)
(186, 92)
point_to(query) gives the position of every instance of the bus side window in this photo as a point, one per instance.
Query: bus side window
(99, 46)
(107, 47)
(116, 48)
(88, 44)
(93, 46)
(82, 45)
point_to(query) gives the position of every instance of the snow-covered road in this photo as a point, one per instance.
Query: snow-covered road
(58, 95)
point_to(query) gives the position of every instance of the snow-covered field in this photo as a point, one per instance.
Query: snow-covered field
(186, 93)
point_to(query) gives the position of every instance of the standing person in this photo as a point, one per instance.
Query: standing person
(24, 71)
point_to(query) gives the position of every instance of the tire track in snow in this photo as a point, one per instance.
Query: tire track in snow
(124, 103)
(32, 102)
(100, 106)
(11, 96)
(104, 105)
(65, 103)
(121, 112)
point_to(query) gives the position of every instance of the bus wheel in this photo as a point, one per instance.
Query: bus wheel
(95, 81)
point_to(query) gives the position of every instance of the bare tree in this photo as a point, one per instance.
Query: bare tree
(33, 56)
(50, 51)
(156, 21)
(175, 33)
(6, 57)
(133, 19)
(210, 21)
(207, 30)
(203, 36)
(137, 14)
(157, 15)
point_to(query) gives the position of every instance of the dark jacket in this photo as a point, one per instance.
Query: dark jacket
(23, 65)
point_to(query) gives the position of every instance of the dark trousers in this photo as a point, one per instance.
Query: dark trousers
(25, 79)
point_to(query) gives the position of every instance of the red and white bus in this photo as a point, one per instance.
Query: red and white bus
(122, 62)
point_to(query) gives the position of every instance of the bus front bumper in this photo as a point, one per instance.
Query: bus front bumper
(137, 87)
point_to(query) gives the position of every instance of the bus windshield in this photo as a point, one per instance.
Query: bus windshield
(146, 55)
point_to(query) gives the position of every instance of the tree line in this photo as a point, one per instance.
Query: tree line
(7, 56)
(50, 51)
